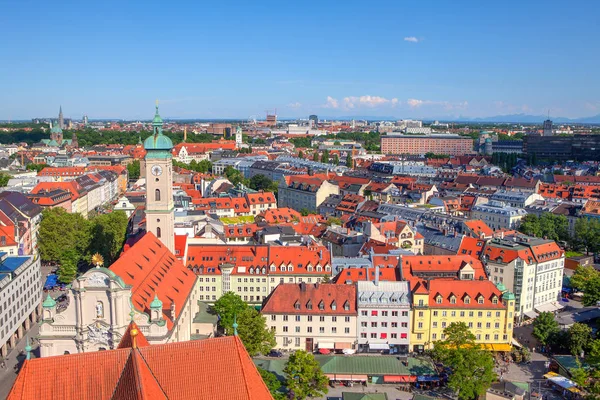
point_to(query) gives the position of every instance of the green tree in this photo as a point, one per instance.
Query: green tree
(300, 154)
(587, 235)
(543, 326)
(273, 384)
(262, 182)
(325, 156)
(301, 142)
(108, 232)
(67, 270)
(316, 156)
(304, 376)
(204, 166)
(227, 307)
(326, 279)
(253, 332)
(305, 211)
(4, 178)
(336, 159)
(60, 231)
(234, 176)
(530, 225)
(472, 368)
(133, 169)
(580, 335)
(349, 161)
(35, 167)
(587, 279)
(334, 221)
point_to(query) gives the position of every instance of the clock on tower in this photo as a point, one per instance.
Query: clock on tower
(159, 184)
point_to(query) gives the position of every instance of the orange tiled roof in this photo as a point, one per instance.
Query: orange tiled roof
(127, 340)
(360, 274)
(278, 215)
(461, 289)
(260, 198)
(151, 269)
(412, 265)
(325, 298)
(479, 227)
(216, 369)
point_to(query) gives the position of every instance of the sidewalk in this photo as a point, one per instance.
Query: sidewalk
(8, 375)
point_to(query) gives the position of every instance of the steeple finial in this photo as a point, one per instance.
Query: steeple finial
(134, 332)
(235, 325)
(28, 350)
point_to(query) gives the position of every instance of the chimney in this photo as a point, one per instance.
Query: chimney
(317, 285)
(302, 287)
(502, 235)
(377, 275)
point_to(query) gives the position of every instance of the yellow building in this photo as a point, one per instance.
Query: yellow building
(486, 309)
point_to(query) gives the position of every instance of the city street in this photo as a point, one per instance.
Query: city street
(15, 359)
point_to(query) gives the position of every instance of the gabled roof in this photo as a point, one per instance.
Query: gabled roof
(216, 369)
(283, 299)
(151, 269)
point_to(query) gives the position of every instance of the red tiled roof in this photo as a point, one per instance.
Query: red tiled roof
(479, 227)
(444, 264)
(151, 269)
(360, 274)
(292, 298)
(278, 215)
(71, 186)
(260, 198)
(127, 340)
(461, 289)
(216, 369)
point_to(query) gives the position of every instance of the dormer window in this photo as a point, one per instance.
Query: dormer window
(495, 300)
(321, 305)
(467, 300)
(297, 305)
(438, 299)
(480, 300)
(273, 269)
(452, 300)
(309, 305)
(347, 306)
(333, 305)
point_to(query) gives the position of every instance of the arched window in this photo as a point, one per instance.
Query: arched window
(157, 195)
(158, 232)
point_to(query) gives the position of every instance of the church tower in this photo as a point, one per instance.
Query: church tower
(159, 184)
(61, 119)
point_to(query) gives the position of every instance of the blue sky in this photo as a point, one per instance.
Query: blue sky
(226, 59)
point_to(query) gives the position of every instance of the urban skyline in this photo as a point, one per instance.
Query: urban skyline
(430, 60)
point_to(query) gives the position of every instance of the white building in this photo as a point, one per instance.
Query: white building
(498, 215)
(310, 316)
(516, 198)
(20, 298)
(531, 268)
(147, 284)
(383, 316)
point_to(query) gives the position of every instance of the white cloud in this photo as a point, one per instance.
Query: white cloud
(331, 103)
(367, 101)
(295, 105)
(414, 103)
(412, 39)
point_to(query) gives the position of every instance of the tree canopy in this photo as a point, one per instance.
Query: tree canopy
(550, 226)
(133, 169)
(227, 307)
(472, 368)
(253, 332)
(544, 326)
(262, 182)
(304, 376)
(587, 279)
(273, 384)
(4, 178)
(587, 235)
(580, 335)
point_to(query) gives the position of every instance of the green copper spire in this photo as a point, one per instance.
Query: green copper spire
(158, 141)
(28, 350)
(235, 325)
(131, 314)
(156, 303)
(49, 302)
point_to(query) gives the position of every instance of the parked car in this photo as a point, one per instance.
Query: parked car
(349, 351)
(275, 353)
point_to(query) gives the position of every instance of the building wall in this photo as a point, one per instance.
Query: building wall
(20, 295)
(299, 199)
(292, 331)
(425, 144)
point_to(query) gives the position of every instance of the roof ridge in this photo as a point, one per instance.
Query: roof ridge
(141, 368)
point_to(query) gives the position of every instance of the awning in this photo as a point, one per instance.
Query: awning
(549, 307)
(516, 343)
(531, 314)
(378, 346)
(346, 377)
(326, 345)
(551, 375)
(501, 347)
(428, 378)
(562, 382)
(342, 345)
(399, 378)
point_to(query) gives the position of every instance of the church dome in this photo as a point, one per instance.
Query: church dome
(56, 129)
(158, 142)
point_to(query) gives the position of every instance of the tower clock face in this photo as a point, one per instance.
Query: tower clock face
(156, 170)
